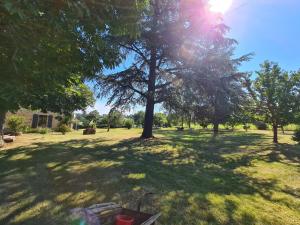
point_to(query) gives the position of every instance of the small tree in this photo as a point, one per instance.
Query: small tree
(276, 94)
(160, 119)
(128, 123)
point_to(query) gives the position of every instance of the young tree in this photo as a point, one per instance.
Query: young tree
(276, 94)
(168, 29)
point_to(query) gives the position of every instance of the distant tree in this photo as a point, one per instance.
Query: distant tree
(160, 119)
(181, 102)
(93, 116)
(139, 118)
(276, 94)
(173, 119)
(115, 119)
(128, 123)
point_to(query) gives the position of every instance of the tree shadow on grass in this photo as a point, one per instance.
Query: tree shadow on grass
(39, 184)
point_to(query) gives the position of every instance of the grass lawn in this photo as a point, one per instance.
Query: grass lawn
(236, 178)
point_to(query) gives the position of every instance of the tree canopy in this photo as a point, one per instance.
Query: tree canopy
(172, 33)
(276, 94)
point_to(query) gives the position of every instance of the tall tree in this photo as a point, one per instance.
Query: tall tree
(214, 80)
(276, 93)
(169, 30)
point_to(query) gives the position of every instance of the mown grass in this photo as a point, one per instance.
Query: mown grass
(235, 178)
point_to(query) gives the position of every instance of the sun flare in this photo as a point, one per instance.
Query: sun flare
(220, 6)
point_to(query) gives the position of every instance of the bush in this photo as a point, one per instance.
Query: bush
(128, 123)
(37, 130)
(296, 136)
(63, 128)
(261, 125)
(89, 131)
(15, 123)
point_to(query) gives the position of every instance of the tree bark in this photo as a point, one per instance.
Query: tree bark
(216, 128)
(2, 120)
(275, 133)
(148, 123)
(189, 121)
(282, 129)
(149, 114)
(108, 121)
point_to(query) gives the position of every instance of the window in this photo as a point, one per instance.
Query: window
(42, 122)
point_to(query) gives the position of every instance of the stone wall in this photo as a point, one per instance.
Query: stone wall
(28, 116)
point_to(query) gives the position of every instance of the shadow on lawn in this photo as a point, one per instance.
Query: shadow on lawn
(39, 184)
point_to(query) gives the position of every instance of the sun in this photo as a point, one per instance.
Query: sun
(220, 6)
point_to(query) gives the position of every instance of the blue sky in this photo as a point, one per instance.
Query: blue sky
(269, 28)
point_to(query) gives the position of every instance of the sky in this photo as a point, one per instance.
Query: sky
(268, 28)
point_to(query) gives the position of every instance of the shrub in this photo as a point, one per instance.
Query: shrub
(296, 136)
(89, 131)
(63, 128)
(128, 123)
(15, 123)
(37, 130)
(261, 125)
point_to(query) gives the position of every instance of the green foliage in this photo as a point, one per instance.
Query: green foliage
(173, 119)
(139, 118)
(159, 60)
(16, 123)
(93, 116)
(160, 120)
(296, 136)
(276, 94)
(246, 127)
(261, 125)
(37, 130)
(48, 50)
(128, 123)
(116, 119)
(63, 128)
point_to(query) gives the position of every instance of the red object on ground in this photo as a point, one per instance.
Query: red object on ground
(124, 220)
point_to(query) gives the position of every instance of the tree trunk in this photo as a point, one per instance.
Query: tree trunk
(275, 136)
(149, 114)
(216, 128)
(189, 121)
(108, 122)
(148, 123)
(2, 120)
(282, 129)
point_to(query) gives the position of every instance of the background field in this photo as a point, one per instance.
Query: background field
(236, 178)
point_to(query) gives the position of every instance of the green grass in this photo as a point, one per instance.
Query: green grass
(236, 178)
